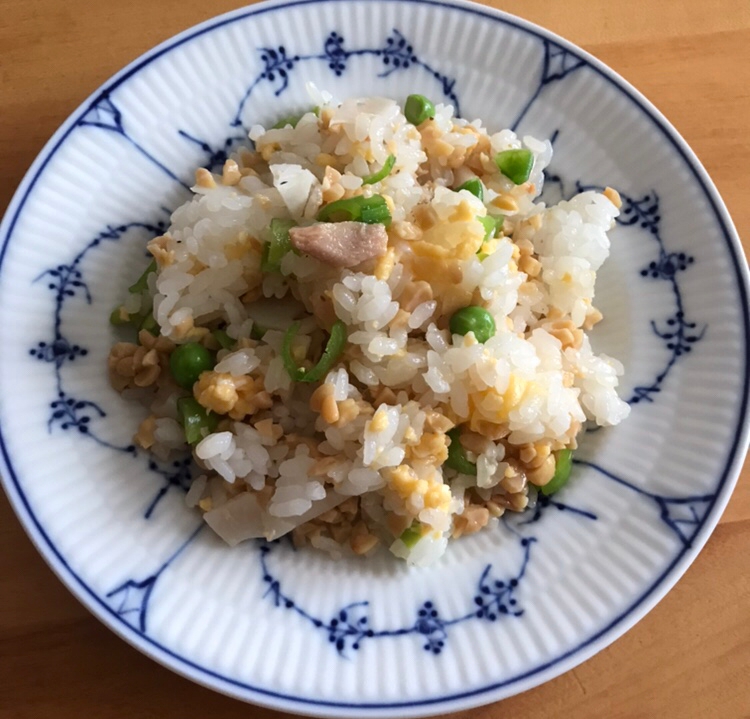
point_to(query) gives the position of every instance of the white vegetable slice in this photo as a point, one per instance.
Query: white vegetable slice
(243, 518)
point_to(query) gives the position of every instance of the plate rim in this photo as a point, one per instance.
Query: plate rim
(645, 602)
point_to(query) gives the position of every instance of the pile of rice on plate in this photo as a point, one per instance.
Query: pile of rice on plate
(369, 333)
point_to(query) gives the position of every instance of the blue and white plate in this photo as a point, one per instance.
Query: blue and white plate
(503, 611)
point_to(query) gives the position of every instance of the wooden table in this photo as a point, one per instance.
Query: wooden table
(690, 657)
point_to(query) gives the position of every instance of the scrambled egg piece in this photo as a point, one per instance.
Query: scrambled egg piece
(379, 421)
(450, 226)
(236, 396)
(404, 481)
(457, 239)
(432, 446)
(491, 406)
(216, 391)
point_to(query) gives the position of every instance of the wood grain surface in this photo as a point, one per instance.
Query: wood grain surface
(690, 657)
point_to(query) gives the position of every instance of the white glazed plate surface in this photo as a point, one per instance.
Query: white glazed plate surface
(502, 611)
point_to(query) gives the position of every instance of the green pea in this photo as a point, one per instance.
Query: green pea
(188, 361)
(473, 319)
(418, 109)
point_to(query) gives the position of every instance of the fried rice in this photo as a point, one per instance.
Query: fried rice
(370, 332)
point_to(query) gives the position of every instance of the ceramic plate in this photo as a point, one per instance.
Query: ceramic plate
(503, 611)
